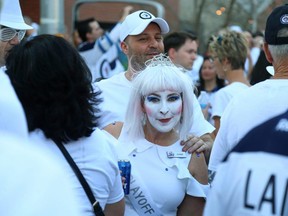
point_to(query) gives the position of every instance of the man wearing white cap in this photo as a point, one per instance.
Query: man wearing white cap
(12, 30)
(264, 99)
(141, 37)
(100, 49)
(12, 27)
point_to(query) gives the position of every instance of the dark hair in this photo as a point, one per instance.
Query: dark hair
(54, 85)
(83, 28)
(201, 86)
(259, 72)
(176, 40)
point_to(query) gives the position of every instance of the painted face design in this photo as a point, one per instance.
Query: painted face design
(163, 109)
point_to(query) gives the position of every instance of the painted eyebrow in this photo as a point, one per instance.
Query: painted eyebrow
(153, 94)
(175, 94)
(172, 94)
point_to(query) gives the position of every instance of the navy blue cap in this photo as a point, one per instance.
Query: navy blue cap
(276, 21)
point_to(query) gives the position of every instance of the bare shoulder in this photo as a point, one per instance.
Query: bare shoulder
(114, 129)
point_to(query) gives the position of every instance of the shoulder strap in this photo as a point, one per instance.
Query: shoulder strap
(96, 206)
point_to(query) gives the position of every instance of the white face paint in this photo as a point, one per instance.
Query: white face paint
(163, 109)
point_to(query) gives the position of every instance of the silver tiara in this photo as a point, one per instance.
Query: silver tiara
(161, 59)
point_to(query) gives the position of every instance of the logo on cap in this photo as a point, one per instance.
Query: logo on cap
(284, 19)
(145, 15)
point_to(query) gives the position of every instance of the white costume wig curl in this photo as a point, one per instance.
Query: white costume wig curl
(160, 74)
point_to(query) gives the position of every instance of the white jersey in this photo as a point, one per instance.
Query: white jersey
(254, 178)
(116, 93)
(245, 111)
(101, 56)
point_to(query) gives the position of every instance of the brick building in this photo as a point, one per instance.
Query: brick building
(104, 12)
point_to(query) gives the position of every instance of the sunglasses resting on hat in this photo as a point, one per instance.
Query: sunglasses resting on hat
(7, 34)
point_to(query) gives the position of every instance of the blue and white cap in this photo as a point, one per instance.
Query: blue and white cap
(276, 21)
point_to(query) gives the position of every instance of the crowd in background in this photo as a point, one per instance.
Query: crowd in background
(205, 133)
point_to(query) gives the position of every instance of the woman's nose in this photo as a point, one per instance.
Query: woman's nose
(164, 109)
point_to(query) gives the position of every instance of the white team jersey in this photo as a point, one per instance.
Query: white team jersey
(253, 180)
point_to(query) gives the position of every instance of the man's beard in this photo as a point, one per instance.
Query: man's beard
(137, 63)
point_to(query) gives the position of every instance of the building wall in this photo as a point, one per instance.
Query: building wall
(104, 12)
(31, 8)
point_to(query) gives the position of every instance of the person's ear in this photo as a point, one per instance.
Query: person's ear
(225, 61)
(267, 53)
(88, 36)
(124, 47)
(172, 53)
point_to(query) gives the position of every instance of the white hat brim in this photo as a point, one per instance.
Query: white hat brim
(15, 25)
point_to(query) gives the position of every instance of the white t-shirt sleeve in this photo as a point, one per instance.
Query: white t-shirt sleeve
(220, 102)
(107, 116)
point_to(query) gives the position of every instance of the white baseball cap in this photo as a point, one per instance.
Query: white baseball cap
(11, 15)
(137, 22)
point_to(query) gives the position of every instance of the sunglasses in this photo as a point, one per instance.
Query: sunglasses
(7, 34)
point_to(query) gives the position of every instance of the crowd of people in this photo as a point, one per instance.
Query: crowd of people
(68, 115)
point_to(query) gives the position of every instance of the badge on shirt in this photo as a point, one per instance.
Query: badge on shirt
(171, 154)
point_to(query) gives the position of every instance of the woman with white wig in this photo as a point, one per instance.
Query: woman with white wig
(164, 180)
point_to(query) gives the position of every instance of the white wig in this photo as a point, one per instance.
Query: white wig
(160, 74)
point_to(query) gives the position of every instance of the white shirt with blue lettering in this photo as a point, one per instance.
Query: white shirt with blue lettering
(253, 180)
(245, 111)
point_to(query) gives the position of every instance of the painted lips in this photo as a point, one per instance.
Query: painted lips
(165, 120)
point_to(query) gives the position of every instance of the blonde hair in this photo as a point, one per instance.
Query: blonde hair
(230, 45)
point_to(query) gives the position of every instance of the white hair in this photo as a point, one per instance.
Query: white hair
(160, 74)
(279, 51)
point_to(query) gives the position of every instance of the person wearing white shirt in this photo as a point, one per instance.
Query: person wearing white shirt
(100, 49)
(157, 119)
(261, 101)
(229, 52)
(61, 107)
(254, 174)
(12, 31)
(141, 38)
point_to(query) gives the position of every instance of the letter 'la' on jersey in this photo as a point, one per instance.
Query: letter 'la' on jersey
(253, 178)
